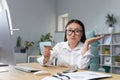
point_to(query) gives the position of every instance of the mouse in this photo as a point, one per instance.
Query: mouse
(41, 72)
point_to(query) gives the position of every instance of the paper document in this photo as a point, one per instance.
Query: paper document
(86, 75)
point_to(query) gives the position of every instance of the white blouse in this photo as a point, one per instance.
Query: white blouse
(68, 57)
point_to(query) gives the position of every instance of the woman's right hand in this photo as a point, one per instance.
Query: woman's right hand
(46, 54)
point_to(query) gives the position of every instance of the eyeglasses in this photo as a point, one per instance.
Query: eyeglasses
(76, 32)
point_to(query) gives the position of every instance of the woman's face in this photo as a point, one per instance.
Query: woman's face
(74, 33)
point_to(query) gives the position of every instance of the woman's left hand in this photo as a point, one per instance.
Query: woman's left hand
(88, 41)
(94, 39)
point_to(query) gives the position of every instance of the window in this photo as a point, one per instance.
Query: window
(62, 21)
(4, 6)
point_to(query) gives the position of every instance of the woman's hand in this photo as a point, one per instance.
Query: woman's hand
(94, 39)
(46, 54)
(90, 40)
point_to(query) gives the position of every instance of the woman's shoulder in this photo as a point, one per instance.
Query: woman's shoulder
(81, 44)
(61, 43)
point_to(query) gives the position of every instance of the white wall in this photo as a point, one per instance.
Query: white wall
(91, 12)
(33, 18)
(36, 17)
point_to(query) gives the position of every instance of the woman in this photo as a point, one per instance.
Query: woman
(74, 51)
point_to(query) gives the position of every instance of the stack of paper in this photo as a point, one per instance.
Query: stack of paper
(86, 75)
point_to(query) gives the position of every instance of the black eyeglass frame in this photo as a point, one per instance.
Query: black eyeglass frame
(73, 31)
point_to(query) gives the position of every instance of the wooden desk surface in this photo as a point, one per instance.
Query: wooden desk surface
(14, 74)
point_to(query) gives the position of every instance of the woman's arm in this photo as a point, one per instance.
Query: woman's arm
(88, 41)
(48, 55)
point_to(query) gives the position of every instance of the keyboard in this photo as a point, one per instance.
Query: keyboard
(26, 69)
(3, 64)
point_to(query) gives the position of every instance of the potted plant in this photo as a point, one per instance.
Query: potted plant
(18, 45)
(117, 60)
(27, 45)
(111, 21)
(46, 37)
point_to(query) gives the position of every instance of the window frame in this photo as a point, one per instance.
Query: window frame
(62, 21)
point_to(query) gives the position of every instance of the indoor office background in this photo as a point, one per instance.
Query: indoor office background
(36, 17)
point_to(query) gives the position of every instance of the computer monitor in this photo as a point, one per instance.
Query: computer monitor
(6, 47)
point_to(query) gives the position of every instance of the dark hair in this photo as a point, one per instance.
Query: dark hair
(83, 38)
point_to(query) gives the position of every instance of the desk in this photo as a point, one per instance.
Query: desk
(33, 56)
(14, 74)
(21, 57)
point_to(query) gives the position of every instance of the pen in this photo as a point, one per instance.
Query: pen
(57, 77)
(63, 75)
